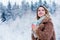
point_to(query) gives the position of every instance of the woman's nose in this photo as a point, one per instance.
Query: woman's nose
(40, 11)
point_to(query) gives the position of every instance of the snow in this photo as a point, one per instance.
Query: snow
(20, 29)
(56, 22)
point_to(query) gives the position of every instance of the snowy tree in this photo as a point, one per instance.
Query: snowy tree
(9, 7)
(45, 4)
(2, 12)
(15, 11)
(32, 6)
(3, 17)
(27, 6)
(40, 2)
(35, 6)
(8, 12)
(2, 8)
(54, 6)
(24, 7)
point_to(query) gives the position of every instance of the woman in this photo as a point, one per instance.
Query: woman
(45, 30)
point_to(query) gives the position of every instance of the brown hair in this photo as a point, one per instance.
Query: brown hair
(46, 11)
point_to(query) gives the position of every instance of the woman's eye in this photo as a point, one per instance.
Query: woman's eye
(43, 10)
(38, 10)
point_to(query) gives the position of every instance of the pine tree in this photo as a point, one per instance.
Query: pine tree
(54, 6)
(3, 17)
(24, 5)
(40, 2)
(9, 7)
(15, 11)
(35, 6)
(31, 5)
(45, 4)
(8, 12)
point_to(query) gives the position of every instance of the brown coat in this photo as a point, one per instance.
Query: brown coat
(45, 31)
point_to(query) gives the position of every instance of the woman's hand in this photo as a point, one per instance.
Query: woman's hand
(34, 27)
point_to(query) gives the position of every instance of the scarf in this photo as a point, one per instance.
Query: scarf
(37, 23)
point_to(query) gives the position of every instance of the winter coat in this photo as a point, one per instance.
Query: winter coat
(45, 31)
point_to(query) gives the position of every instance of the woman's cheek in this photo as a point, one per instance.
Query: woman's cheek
(39, 15)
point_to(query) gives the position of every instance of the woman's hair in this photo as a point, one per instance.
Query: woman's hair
(46, 11)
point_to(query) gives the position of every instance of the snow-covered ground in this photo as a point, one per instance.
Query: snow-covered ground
(56, 22)
(20, 29)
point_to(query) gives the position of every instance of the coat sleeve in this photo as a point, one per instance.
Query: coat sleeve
(46, 34)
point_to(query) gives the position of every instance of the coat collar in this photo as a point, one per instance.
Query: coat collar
(46, 19)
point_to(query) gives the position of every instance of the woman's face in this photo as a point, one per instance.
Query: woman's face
(41, 11)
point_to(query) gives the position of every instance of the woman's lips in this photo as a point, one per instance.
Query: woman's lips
(40, 13)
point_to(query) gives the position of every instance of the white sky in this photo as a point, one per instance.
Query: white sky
(5, 2)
